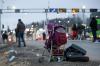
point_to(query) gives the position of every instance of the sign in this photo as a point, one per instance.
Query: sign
(0, 11)
(53, 10)
(62, 10)
(98, 28)
(75, 10)
(17, 10)
(93, 10)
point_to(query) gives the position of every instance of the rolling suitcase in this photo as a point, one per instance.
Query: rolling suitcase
(75, 58)
(76, 49)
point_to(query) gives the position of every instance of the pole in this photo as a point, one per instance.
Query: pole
(84, 22)
(45, 23)
(0, 22)
(47, 14)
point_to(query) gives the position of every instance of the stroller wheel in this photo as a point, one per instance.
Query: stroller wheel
(41, 59)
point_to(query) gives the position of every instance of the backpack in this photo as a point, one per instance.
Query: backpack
(59, 36)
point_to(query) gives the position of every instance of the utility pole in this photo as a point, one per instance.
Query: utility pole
(47, 14)
(0, 22)
(45, 23)
(1, 7)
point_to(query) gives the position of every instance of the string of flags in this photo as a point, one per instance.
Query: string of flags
(58, 10)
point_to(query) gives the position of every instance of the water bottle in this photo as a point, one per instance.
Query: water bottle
(11, 59)
(59, 59)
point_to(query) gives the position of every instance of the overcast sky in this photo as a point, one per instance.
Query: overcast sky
(11, 19)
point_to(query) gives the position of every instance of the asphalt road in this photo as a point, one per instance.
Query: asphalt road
(93, 49)
(29, 56)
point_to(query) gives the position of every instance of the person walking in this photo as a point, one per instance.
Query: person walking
(93, 25)
(21, 29)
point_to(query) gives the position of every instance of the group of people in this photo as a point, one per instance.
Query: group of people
(7, 37)
(77, 31)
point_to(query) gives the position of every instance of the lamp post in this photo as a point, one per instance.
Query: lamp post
(83, 10)
(2, 1)
(45, 23)
(0, 22)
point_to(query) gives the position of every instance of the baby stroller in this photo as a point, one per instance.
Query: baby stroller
(57, 38)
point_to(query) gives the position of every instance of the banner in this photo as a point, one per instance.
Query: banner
(98, 27)
(93, 10)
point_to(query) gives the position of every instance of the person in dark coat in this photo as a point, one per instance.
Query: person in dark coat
(21, 29)
(16, 34)
(5, 36)
(93, 25)
(80, 31)
(44, 36)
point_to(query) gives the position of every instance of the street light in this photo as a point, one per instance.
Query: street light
(59, 21)
(84, 22)
(83, 7)
(68, 21)
(96, 16)
(83, 10)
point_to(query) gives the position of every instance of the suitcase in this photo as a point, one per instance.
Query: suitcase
(75, 53)
(75, 58)
(76, 49)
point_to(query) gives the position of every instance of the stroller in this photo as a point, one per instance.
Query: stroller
(57, 38)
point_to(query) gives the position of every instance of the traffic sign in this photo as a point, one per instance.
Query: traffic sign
(93, 10)
(53, 10)
(62, 10)
(17, 10)
(75, 10)
(0, 11)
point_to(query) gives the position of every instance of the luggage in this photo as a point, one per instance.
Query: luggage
(75, 53)
(75, 58)
(76, 49)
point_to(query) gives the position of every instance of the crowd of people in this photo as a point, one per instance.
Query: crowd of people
(77, 32)
(19, 34)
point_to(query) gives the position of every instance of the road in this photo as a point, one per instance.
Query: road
(29, 56)
(93, 49)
